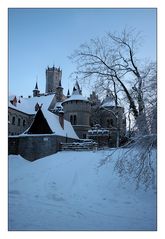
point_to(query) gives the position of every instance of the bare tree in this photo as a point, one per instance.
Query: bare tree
(111, 62)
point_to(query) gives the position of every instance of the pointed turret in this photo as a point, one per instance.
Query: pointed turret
(59, 92)
(68, 94)
(36, 91)
(76, 88)
(36, 87)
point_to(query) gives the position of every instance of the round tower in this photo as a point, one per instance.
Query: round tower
(77, 110)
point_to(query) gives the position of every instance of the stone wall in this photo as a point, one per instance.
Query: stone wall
(36, 147)
(18, 121)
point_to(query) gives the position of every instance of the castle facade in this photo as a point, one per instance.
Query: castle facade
(90, 118)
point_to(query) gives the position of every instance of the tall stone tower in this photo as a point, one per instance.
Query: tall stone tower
(53, 78)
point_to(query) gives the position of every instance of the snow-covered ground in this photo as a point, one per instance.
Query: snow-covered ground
(67, 191)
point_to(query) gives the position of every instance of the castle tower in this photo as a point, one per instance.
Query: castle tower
(53, 78)
(36, 91)
(77, 110)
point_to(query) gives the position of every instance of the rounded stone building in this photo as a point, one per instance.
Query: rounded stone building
(77, 110)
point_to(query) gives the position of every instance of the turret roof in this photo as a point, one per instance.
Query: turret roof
(108, 101)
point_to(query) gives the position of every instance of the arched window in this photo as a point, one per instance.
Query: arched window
(75, 119)
(24, 122)
(108, 123)
(111, 122)
(71, 119)
(13, 120)
(19, 121)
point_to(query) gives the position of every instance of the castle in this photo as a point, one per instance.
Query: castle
(90, 118)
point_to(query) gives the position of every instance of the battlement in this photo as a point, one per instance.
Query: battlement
(54, 69)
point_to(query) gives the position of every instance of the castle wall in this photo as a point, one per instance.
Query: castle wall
(18, 121)
(36, 146)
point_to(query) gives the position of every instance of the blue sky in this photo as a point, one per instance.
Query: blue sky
(42, 37)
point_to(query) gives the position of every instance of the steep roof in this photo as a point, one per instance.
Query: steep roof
(52, 125)
(36, 87)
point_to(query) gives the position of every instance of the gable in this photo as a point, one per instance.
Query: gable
(39, 125)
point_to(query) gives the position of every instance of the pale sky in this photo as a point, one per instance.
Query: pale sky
(42, 37)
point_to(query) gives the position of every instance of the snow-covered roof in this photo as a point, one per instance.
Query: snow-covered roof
(27, 105)
(76, 97)
(76, 94)
(58, 105)
(108, 102)
(54, 124)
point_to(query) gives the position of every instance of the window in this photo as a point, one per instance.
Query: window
(19, 121)
(71, 119)
(75, 119)
(13, 120)
(111, 122)
(108, 123)
(24, 122)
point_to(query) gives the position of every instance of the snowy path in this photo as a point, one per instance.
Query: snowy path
(67, 191)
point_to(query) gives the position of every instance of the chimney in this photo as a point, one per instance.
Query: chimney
(14, 101)
(61, 118)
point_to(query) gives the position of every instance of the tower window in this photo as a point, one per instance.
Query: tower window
(75, 119)
(71, 119)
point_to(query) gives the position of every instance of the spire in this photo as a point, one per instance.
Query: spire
(36, 91)
(68, 94)
(76, 88)
(36, 87)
